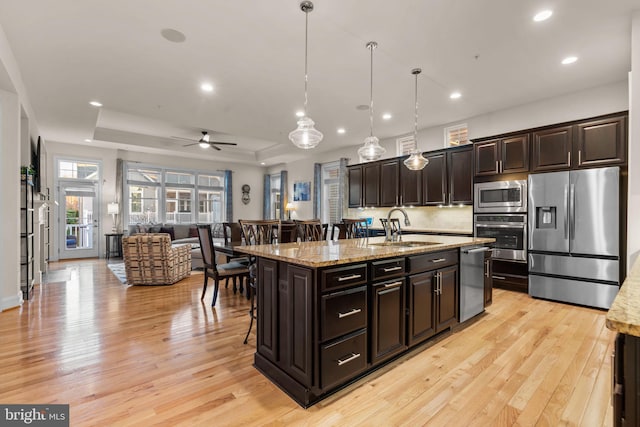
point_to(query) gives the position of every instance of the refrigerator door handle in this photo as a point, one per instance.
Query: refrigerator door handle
(572, 207)
(566, 212)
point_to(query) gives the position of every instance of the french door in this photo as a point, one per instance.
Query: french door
(78, 216)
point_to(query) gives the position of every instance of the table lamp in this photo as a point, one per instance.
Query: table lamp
(112, 209)
(290, 207)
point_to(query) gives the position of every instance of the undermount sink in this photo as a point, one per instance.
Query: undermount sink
(406, 244)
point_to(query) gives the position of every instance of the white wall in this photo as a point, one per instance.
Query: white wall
(242, 174)
(633, 209)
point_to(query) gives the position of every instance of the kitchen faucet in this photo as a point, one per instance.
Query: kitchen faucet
(387, 227)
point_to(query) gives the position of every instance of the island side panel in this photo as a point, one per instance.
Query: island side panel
(267, 294)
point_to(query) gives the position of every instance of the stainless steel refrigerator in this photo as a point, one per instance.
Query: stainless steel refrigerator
(574, 236)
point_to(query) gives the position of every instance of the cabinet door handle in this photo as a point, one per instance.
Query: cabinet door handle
(569, 158)
(444, 198)
(352, 356)
(350, 277)
(579, 157)
(389, 269)
(439, 283)
(349, 313)
(499, 277)
(438, 260)
(497, 166)
(391, 285)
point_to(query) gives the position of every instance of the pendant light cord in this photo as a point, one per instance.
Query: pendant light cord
(306, 78)
(415, 119)
(372, 45)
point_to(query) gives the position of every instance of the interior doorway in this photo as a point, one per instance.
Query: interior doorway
(79, 220)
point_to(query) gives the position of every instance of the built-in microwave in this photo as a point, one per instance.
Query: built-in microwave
(500, 197)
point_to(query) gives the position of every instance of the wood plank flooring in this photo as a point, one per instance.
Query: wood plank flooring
(140, 356)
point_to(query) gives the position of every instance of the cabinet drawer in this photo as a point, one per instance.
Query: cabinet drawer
(432, 261)
(343, 312)
(342, 277)
(343, 359)
(387, 268)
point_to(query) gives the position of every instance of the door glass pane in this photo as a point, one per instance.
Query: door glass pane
(79, 220)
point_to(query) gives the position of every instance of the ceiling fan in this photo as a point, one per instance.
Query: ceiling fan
(205, 141)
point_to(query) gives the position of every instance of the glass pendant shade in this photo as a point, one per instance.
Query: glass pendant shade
(416, 161)
(305, 135)
(371, 150)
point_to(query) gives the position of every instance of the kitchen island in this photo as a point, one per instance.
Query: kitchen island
(331, 311)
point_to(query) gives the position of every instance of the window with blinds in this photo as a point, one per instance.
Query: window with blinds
(331, 193)
(404, 145)
(456, 135)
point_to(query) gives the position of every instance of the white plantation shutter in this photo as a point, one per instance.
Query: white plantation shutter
(404, 145)
(456, 135)
(331, 193)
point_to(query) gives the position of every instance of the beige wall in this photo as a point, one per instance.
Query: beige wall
(633, 210)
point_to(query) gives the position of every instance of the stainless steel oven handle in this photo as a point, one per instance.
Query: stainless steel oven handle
(475, 250)
(503, 225)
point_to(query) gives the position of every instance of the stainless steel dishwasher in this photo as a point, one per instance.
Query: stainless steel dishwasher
(472, 281)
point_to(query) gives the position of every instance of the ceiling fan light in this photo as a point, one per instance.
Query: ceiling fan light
(305, 135)
(371, 150)
(204, 144)
(416, 161)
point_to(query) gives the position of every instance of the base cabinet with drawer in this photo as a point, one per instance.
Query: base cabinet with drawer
(322, 328)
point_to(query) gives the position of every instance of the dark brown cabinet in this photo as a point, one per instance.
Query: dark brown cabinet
(601, 142)
(448, 178)
(371, 184)
(501, 156)
(387, 320)
(552, 149)
(355, 186)
(588, 144)
(410, 186)
(389, 177)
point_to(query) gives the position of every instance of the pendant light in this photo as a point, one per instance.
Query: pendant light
(371, 150)
(416, 160)
(305, 135)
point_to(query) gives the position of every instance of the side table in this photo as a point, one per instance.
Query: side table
(116, 239)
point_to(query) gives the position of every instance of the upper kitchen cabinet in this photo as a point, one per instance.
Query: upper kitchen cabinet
(410, 186)
(498, 156)
(601, 142)
(389, 179)
(448, 178)
(355, 186)
(552, 148)
(587, 144)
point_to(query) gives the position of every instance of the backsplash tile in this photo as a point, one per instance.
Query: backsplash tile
(428, 217)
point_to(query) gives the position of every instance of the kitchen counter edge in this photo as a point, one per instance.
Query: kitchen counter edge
(624, 314)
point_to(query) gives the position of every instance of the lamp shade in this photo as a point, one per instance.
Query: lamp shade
(416, 161)
(305, 135)
(371, 150)
(113, 208)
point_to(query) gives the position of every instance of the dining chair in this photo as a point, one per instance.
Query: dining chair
(233, 270)
(257, 232)
(350, 229)
(312, 230)
(232, 233)
(288, 232)
(393, 223)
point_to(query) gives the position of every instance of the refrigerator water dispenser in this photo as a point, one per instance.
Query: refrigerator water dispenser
(546, 217)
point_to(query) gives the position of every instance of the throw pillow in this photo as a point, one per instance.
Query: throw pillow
(170, 231)
(193, 232)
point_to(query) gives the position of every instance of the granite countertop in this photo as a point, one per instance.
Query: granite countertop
(409, 229)
(624, 314)
(327, 253)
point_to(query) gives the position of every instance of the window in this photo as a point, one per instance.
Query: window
(404, 145)
(157, 195)
(77, 170)
(331, 193)
(455, 135)
(275, 197)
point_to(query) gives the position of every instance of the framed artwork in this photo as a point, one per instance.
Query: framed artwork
(302, 191)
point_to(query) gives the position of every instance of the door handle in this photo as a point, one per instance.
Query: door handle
(389, 269)
(438, 260)
(572, 207)
(350, 277)
(391, 285)
(499, 277)
(566, 212)
(569, 158)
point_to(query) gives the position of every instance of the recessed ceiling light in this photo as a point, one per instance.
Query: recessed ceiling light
(386, 116)
(95, 104)
(172, 35)
(206, 87)
(455, 95)
(341, 131)
(87, 140)
(569, 60)
(299, 113)
(362, 107)
(542, 15)
(262, 163)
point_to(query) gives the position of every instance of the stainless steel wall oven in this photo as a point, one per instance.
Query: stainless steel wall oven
(510, 232)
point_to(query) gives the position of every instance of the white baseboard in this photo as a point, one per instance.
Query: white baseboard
(11, 302)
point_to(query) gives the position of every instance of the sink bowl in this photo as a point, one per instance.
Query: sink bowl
(405, 244)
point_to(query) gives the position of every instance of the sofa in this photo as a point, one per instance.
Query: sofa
(179, 234)
(150, 259)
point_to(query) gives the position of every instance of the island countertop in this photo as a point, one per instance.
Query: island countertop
(328, 253)
(624, 314)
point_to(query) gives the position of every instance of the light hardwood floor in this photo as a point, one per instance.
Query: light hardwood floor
(156, 355)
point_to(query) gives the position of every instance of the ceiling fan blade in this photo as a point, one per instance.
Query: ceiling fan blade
(183, 139)
(222, 143)
(189, 145)
(215, 148)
